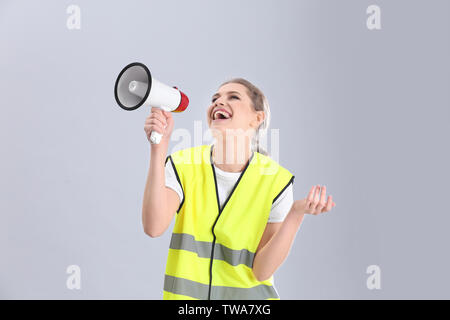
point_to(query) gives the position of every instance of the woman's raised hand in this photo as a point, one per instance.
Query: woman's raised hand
(315, 202)
(159, 121)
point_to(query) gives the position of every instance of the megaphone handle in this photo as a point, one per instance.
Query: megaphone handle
(155, 137)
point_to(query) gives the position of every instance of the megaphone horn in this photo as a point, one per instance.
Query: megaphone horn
(135, 87)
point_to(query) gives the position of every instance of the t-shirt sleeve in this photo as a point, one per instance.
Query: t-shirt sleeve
(171, 180)
(281, 207)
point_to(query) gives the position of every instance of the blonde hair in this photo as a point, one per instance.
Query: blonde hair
(259, 103)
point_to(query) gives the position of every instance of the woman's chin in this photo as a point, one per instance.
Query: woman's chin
(220, 122)
(221, 125)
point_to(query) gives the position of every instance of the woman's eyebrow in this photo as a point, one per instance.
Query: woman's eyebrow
(218, 94)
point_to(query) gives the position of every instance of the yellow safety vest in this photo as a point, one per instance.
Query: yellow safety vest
(212, 249)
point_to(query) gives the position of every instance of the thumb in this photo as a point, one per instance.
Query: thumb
(169, 118)
(168, 115)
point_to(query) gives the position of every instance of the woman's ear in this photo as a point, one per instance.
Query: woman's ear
(260, 116)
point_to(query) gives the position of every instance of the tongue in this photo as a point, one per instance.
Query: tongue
(222, 117)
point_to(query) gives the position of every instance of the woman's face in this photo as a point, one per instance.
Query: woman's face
(236, 114)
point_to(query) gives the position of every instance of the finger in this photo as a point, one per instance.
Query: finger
(322, 196)
(157, 128)
(156, 121)
(158, 113)
(156, 110)
(169, 118)
(310, 196)
(153, 122)
(322, 202)
(158, 116)
(329, 204)
(316, 195)
(153, 110)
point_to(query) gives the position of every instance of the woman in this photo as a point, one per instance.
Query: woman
(236, 219)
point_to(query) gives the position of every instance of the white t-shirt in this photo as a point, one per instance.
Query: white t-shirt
(225, 183)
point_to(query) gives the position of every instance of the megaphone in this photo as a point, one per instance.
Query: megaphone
(135, 87)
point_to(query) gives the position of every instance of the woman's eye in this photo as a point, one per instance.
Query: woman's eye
(230, 97)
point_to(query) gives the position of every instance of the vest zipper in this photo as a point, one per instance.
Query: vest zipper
(212, 255)
(220, 211)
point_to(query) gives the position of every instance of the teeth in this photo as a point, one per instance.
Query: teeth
(226, 115)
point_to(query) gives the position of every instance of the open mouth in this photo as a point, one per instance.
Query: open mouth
(221, 115)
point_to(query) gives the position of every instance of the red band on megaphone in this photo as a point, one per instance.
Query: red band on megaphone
(183, 102)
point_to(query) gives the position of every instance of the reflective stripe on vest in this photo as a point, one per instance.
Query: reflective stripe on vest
(212, 249)
(184, 241)
(200, 291)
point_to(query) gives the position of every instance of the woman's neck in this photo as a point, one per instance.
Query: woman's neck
(231, 157)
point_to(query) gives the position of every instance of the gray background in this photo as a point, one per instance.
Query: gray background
(364, 112)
